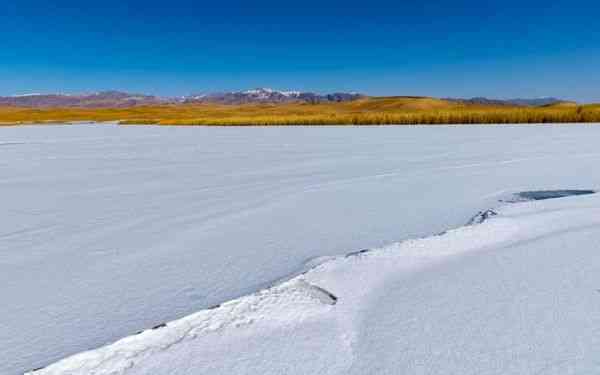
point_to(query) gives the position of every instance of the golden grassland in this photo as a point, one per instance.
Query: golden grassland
(368, 111)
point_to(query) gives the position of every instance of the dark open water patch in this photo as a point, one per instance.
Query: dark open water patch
(525, 196)
(539, 195)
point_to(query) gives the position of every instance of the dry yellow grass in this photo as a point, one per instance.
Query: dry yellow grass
(368, 111)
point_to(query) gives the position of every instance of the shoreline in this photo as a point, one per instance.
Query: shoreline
(363, 112)
(133, 124)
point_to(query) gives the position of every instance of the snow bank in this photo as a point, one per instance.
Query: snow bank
(516, 292)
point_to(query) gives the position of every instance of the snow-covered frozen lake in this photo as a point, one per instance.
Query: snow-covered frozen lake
(109, 230)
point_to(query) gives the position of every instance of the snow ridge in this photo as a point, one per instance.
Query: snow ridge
(309, 296)
(124, 354)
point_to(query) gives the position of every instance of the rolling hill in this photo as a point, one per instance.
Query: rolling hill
(262, 110)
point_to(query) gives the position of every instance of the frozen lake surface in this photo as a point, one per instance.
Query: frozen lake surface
(109, 230)
(516, 292)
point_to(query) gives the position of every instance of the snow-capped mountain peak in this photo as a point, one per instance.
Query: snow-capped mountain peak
(260, 90)
(26, 95)
(269, 95)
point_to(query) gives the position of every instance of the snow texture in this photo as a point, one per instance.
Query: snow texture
(515, 294)
(107, 231)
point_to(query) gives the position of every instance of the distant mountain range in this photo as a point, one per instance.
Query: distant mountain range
(539, 102)
(106, 99)
(112, 99)
(265, 95)
(117, 99)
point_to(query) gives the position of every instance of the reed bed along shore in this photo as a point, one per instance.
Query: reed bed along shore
(370, 111)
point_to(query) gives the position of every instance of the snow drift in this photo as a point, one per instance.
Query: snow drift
(516, 292)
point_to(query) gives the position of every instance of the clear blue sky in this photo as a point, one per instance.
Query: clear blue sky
(459, 48)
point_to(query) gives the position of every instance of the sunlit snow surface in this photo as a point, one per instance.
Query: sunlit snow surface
(515, 294)
(110, 230)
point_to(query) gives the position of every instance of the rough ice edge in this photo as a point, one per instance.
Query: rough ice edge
(237, 313)
(487, 229)
(128, 351)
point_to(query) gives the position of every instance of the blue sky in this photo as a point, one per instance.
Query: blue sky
(440, 48)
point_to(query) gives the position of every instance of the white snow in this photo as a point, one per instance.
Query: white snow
(516, 294)
(26, 95)
(266, 92)
(38, 94)
(291, 93)
(260, 92)
(109, 230)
